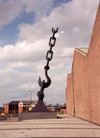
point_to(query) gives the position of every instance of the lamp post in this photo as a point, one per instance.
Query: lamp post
(14, 103)
(30, 96)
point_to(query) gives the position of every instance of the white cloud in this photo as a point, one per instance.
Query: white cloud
(11, 9)
(23, 51)
(36, 5)
(8, 11)
(34, 38)
(74, 18)
(39, 8)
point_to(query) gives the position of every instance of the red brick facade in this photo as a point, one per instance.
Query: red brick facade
(83, 84)
(6, 109)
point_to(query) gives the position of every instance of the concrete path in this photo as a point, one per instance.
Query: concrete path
(67, 126)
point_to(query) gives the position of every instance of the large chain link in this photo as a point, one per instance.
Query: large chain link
(52, 42)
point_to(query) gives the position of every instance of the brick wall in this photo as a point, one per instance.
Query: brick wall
(81, 93)
(94, 71)
(6, 110)
(84, 84)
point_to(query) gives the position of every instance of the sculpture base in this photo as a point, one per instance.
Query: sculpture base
(40, 111)
(40, 107)
(37, 115)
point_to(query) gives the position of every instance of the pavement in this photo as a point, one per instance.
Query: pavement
(63, 127)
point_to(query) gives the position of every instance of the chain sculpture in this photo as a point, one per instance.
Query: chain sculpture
(49, 56)
(40, 105)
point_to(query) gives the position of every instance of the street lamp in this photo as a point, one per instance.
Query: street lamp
(30, 96)
(14, 103)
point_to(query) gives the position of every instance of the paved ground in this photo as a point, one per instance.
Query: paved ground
(67, 126)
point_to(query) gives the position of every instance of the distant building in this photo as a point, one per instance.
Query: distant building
(1, 109)
(57, 107)
(19, 106)
(52, 107)
(24, 106)
(63, 108)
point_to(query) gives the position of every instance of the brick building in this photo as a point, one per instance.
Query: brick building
(25, 105)
(11, 107)
(18, 106)
(83, 84)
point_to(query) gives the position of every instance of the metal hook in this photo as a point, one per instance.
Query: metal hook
(43, 83)
(54, 31)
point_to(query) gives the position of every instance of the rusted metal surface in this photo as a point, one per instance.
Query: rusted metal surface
(40, 105)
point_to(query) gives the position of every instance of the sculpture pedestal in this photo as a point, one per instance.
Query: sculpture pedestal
(37, 115)
(40, 111)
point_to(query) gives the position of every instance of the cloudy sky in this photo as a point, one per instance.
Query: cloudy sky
(25, 29)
